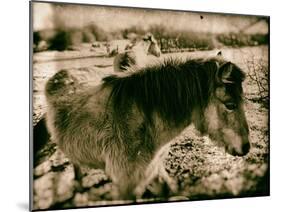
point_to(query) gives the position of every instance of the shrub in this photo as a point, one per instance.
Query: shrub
(88, 36)
(61, 41)
(171, 40)
(97, 32)
(258, 74)
(133, 29)
(240, 39)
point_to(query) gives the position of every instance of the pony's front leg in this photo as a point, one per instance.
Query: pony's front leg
(167, 186)
(126, 174)
(78, 175)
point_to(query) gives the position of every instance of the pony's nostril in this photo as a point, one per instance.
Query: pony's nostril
(246, 148)
(244, 151)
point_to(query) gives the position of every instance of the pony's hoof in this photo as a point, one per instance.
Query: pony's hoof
(78, 186)
(178, 198)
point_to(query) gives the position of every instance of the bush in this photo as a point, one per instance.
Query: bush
(65, 38)
(97, 32)
(260, 38)
(240, 39)
(181, 39)
(61, 41)
(36, 38)
(195, 40)
(88, 36)
(133, 29)
(76, 37)
(258, 74)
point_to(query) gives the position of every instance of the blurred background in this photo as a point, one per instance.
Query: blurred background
(67, 26)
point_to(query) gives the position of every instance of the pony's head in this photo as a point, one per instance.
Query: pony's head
(224, 116)
(153, 47)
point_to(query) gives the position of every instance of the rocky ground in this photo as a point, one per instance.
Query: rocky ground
(202, 170)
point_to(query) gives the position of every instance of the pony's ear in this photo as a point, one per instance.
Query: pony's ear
(228, 73)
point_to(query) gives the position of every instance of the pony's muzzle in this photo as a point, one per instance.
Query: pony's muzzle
(243, 151)
(246, 148)
(246, 145)
(237, 144)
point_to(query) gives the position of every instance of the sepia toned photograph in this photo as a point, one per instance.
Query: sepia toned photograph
(138, 105)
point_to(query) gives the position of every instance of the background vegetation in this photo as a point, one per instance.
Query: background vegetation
(169, 40)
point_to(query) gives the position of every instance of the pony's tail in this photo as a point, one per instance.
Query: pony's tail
(61, 86)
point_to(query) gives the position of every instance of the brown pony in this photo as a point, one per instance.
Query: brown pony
(121, 124)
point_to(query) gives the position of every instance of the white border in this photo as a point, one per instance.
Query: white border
(14, 117)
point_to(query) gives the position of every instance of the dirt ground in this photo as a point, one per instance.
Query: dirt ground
(202, 170)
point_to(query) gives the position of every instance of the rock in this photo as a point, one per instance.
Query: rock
(43, 192)
(81, 199)
(94, 177)
(64, 185)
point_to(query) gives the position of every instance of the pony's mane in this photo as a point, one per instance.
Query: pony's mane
(172, 88)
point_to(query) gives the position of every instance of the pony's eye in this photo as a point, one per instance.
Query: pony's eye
(230, 105)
